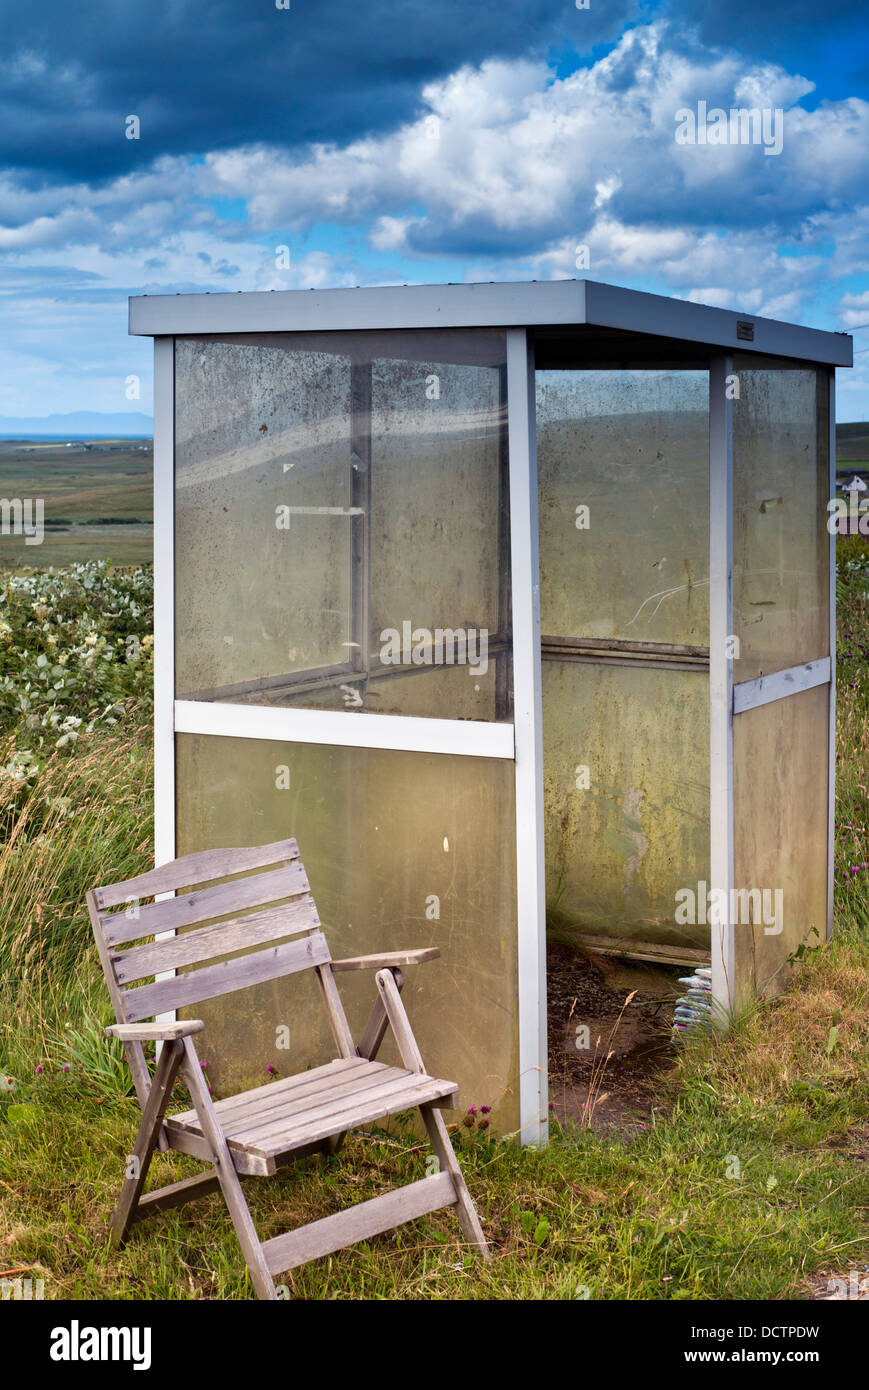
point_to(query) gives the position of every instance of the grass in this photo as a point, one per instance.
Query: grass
(97, 504)
(749, 1178)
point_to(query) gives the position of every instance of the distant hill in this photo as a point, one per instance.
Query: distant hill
(852, 443)
(79, 424)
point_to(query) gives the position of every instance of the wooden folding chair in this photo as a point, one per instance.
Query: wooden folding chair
(262, 1130)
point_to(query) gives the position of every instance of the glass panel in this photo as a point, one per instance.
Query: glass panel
(626, 766)
(780, 540)
(780, 772)
(632, 447)
(401, 850)
(342, 524)
(254, 601)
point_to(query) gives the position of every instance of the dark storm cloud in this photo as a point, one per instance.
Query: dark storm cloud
(219, 73)
(829, 42)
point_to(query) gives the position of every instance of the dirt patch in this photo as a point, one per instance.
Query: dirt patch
(854, 1143)
(587, 995)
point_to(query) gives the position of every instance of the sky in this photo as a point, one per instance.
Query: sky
(402, 141)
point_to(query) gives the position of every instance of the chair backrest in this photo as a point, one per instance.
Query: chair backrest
(247, 904)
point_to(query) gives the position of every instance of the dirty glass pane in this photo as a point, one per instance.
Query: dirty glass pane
(401, 850)
(631, 447)
(780, 539)
(626, 769)
(780, 772)
(258, 428)
(341, 522)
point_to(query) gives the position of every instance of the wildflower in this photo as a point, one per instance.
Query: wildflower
(66, 1066)
(39, 1069)
(271, 1070)
(485, 1109)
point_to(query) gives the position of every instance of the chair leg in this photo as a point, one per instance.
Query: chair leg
(146, 1141)
(230, 1183)
(465, 1209)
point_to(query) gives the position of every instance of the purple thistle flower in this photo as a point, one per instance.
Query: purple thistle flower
(39, 1069)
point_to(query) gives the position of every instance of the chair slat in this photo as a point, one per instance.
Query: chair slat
(211, 981)
(204, 904)
(206, 943)
(195, 868)
(347, 1093)
(369, 1107)
(359, 1222)
(281, 1102)
(263, 1096)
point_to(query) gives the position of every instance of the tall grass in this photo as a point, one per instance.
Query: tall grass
(750, 1175)
(86, 819)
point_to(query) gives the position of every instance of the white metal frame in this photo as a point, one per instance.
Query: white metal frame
(346, 729)
(528, 724)
(520, 742)
(496, 305)
(831, 775)
(728, 700)
(518, 308)
(164, 599)
(164, 613)
(722, 944)
(778, 684)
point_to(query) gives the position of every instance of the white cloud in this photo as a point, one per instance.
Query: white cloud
(506, 171)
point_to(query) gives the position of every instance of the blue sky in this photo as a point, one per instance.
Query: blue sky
(410, 141)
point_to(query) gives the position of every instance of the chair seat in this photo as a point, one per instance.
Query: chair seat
(302, 1110)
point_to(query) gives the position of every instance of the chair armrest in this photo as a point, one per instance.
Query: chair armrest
(388, 960)
(155, 1032)
(399, 1022)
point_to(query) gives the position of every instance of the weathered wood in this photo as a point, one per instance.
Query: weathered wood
(196, 868)
(357, 1223)
(399, 1022)
(335, 1010)
(184, 1141)
(134, 1052)
(370, 1107)
(278, 1093)
(207, 943)
(328, 1103)
(204, 904)
(378, 1022)
(227, 1176)
(369, 1044)
(324, 1102)
(386, 960)
(164, 1198)
(146, 1139)
(465, 1209)
(259, 1131)
(211, 981)
(155, 1032)
(631, 949)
